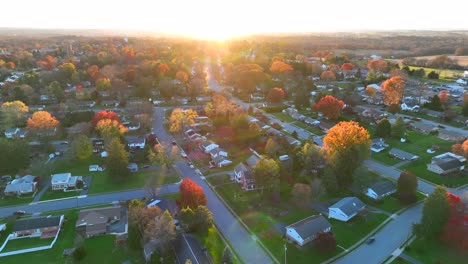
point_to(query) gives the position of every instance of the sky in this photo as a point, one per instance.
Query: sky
(219, 19)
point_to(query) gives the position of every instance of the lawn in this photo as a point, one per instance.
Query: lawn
(219, 179)
(264, 218)
(104, 183)
(51, 195)
(103, 250)
(384, 158)
(213, 242)
(25, 243)
(428, 251)
(315, 130)
(284, 117)
(11, 201)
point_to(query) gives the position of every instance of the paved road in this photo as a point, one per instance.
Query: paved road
(85, 201)
(239, 238)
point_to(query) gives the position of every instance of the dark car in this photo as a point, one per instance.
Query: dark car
(441, 126)
(19, 213)
(174, 143)
(370, 240)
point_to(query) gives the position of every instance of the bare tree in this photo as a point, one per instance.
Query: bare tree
(161, 228)
(152, 186)
(317, 189)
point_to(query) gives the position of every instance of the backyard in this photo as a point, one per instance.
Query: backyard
(267, 220)
(104, 250)
(24, 243)
(428, 251)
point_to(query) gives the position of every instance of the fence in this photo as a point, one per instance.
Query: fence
(21, 251)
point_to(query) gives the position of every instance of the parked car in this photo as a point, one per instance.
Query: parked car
(19, 213)
(370, 240)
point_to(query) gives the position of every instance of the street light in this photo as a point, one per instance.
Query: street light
(285, 249)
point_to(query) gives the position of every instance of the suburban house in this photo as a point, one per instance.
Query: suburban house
(93, 222)
(135, 142)
(221, 161)
(133, 126)
(43, 227)
(402, 155)
(21, 186)
(446, 163)
(11, 132)
(346, 208)
(311, 121)
(165, 204)
(378, 144)
(380, 190)
(208, 146)
(292, 141)
(63, 181)
(214, 153)
(318, 140)
(422, 127)
(306, 230)
(452, 135)
(256, 97)
(98, 145)
(243, 172)
(412, 107)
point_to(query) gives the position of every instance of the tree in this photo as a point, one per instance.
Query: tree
(103, 84)
(393, 89)
(435, 214)
(347, 146)
(163, 229)
(247, 76)
(384, 128)
(182, 76)
(313, 159)
(195, 87)
(181, 118)
(266, 173)
(104, 115)
(109, 128)
(10, 65)
(362, 178)
(444, 96)
(435, 104)
(117, 161)
(191, 194)
(370, 91)
(301, 99)
(301, 195)
(204, 218)
(325, 242)
(329, 106)
(79, 253)
(433, 75)
(465, 109)
(407, 187)
(42, 122)
(317, 188)
(347, 66)
(328, 76)
(455, 231)
(278, 67)
(56, 89)
(14, 157)
(67, 70)
(81, 147)
(13, 113)
(159, 155)
(272, 147)
(399, 128)
(276, 95)
(377, 66)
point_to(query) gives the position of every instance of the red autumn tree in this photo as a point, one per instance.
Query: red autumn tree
(347, 66)
(182, 76)
(191, 194)
(328, 76)
(276, 95)
(104, 115)
(329, 106)
(163, 68)
(377, 65)
(10, 65)
(325, 242)
(455, 231)
(444, 96)
(393, 89)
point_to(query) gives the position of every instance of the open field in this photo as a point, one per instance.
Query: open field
(461, 60)
(368, 52)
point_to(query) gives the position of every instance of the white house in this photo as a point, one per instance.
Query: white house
(465, 74)
(11, 132)
(214, 153)
(380, 190)
(410, 107)
(306, 230)
(63, 181)
(378, 144)
(133, 126)
(346, 208)
(136, 142)
(462, 81)
(208, 146)
(446, 163)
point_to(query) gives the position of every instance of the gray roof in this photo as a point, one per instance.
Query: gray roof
(349, 205)
(252, 161)
(449, 164)
(34, 223)
(241, 167)
(402, 154)
(383, 187)
(307, 228)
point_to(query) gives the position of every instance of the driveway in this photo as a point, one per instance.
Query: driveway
(186, 246)
(120, 226)
(87, 182)
(322, 207)
(45, 187)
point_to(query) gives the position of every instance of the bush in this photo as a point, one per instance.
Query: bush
(79, 253)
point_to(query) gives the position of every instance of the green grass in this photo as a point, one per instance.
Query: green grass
(428, 251)
(104, 182)
(11, 201)
(103, 250)
(443, 73)
(384, 158)
(261, 216)
(51, 195)
(219, 179)
(419, 168)
(25, 243)
(284, 117)
(213, 242)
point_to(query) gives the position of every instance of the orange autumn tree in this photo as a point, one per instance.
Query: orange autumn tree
(276, 95)
(377, 65)
(328, 76)
(347, 146)
(278, 67)
(347, 66)
(162, 69)
(42, 122)
(329, 106)
(370, 91)
(393, 89)
(182, 76)
(444, 96)
(109, 128)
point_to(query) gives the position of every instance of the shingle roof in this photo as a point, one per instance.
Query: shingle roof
(402, 154)
(34, 223)
(240, 167)
(307, 228)
(449, 164)
(349, 205)
(252, 161)
(383, 187)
